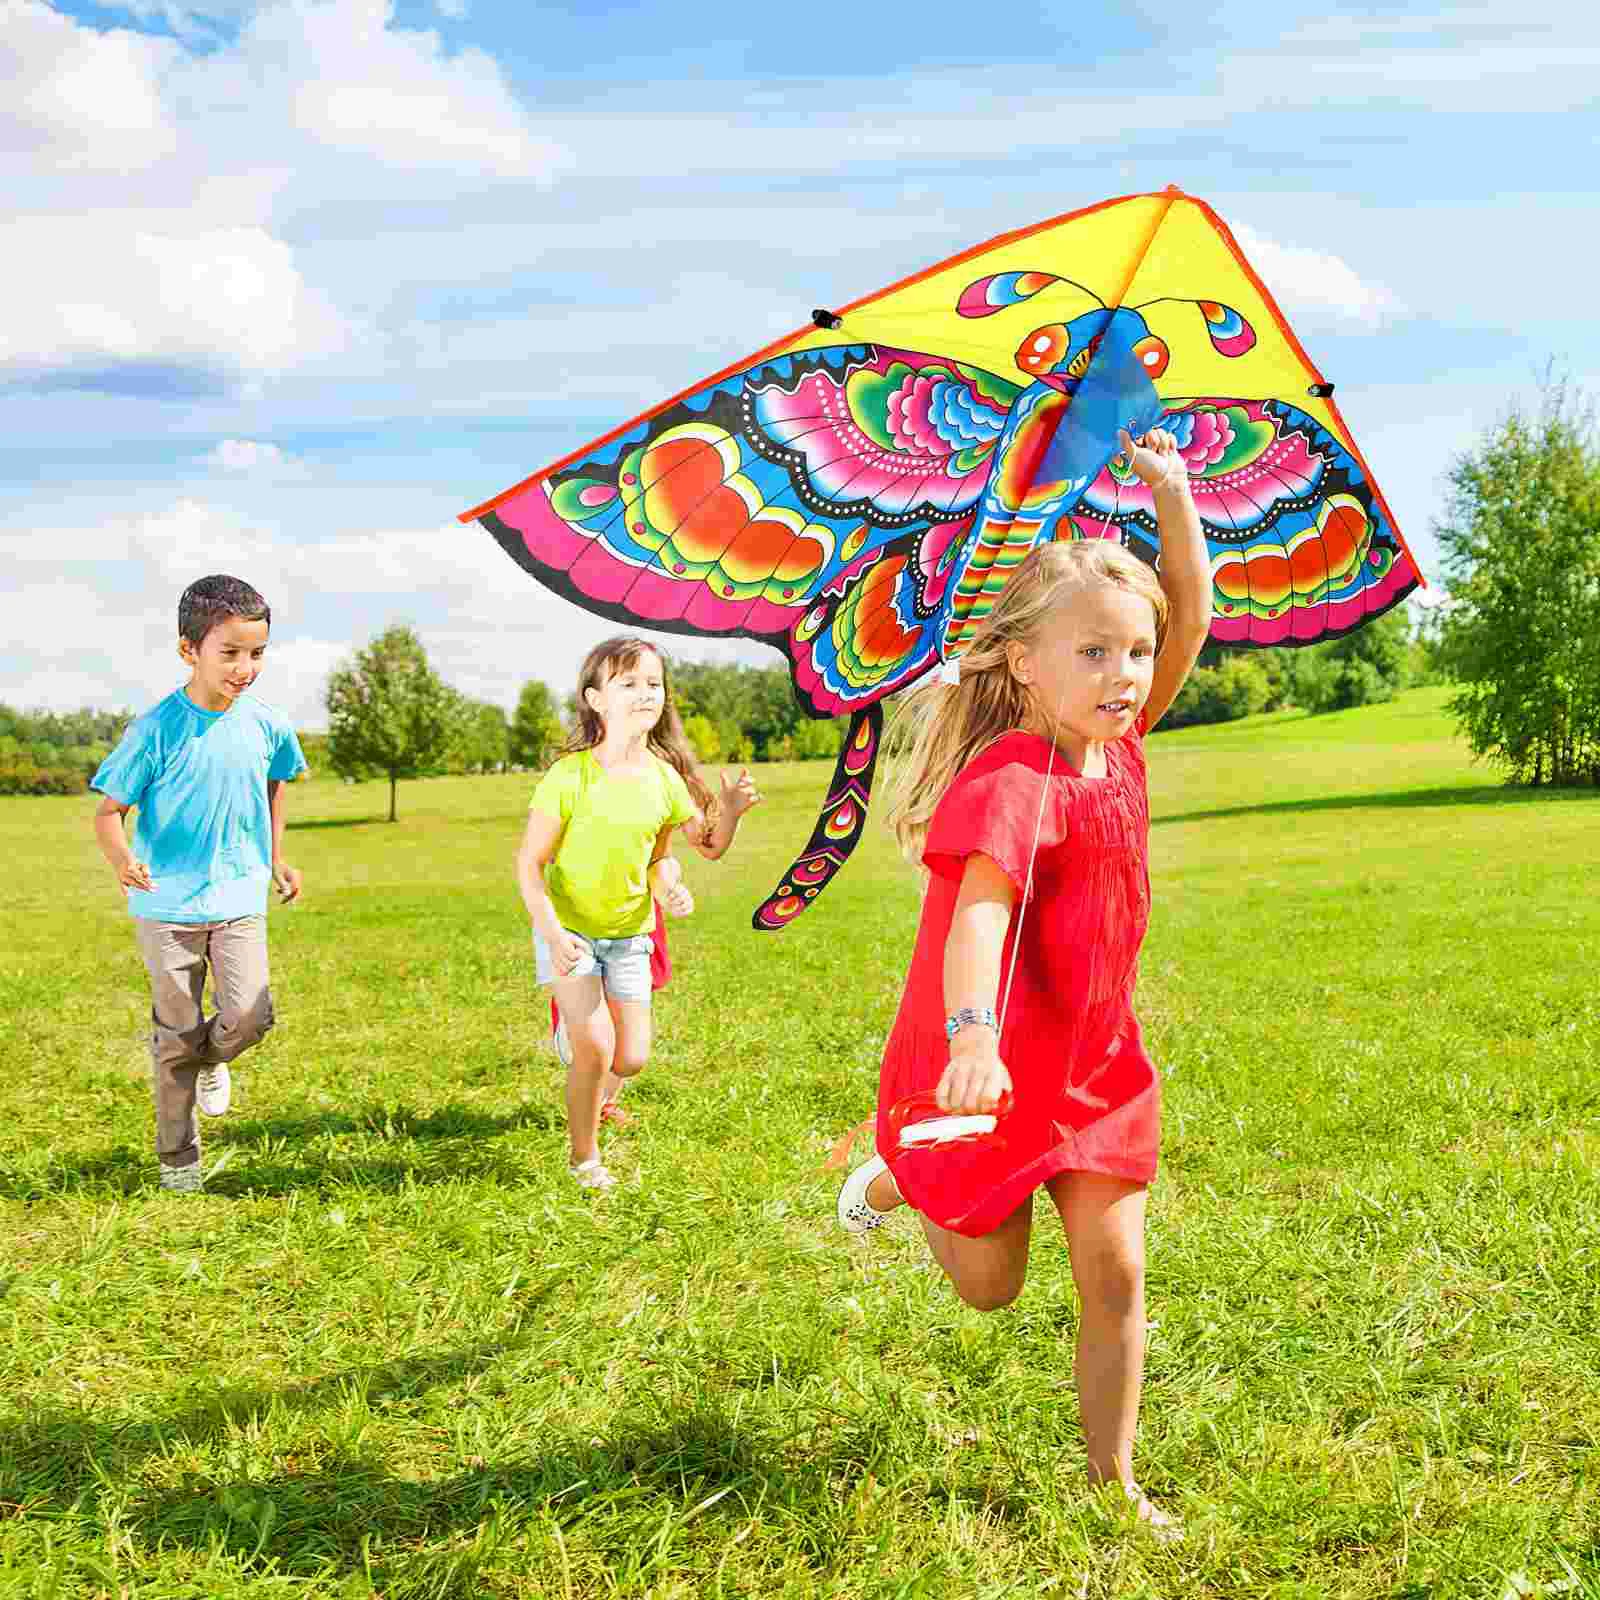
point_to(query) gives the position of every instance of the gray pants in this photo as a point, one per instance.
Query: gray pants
(182, 1038)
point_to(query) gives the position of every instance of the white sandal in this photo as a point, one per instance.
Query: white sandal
(593, 1174)
(857, 1214)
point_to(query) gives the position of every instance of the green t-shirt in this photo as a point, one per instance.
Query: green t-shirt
(599, 880)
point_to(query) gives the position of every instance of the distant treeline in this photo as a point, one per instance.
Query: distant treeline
(55, 752)
(743, 714)
(1370, 665)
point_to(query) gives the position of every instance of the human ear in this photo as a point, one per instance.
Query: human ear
(1017, 661)
(186, 649)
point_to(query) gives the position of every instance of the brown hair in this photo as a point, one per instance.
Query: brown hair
(209, 601)
(940, 726)
(666, 739)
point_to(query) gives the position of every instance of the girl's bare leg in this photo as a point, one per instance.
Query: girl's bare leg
(1104, 1222)
(630, 1020)
(593, 1035)
(987, 1273)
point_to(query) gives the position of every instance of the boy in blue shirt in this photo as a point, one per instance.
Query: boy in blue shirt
(206, 769)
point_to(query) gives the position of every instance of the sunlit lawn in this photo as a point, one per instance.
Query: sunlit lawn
(393, 1350)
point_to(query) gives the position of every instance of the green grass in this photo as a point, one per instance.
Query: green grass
(393, 1351)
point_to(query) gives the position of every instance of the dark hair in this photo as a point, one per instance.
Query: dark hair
(208, 601)
(667, 739)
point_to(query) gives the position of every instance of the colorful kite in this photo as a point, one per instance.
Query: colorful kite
(856, 493)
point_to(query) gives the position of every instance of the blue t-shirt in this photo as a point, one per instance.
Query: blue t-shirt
(199, 779)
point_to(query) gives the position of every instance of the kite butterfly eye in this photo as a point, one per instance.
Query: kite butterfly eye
(1152, 355)
(1043, 348)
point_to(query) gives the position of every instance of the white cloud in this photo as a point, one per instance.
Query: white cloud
(79, 98)
(393, 93)
(253, 456)
(1303, 279)
(152, 186)
(72, 639)
(122, 289)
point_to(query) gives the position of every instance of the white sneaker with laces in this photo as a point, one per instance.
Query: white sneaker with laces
(183, 1180)
(857, 1214)
(213, 1088)
(592, 1174)
(563, 1042)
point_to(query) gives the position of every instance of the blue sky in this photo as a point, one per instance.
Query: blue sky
(290, 284)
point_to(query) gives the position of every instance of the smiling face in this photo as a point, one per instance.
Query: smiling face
(1088, 669)
(226, 662)
(630, 700)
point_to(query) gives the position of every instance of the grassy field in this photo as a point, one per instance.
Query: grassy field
(393, 1351)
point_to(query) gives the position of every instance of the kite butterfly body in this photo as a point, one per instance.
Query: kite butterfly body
(859, 503)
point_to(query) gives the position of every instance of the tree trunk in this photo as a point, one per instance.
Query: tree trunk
(392, 783)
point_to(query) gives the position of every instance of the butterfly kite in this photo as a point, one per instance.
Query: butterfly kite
(857, 492)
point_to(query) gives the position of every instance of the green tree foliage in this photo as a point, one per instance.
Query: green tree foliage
(818, 739)
(1358, 669)
(482, 738)
(55, 752)
(1521, 633)
(703, 737)
(753, 709)
(1238, 686)
(390, 712)
(536, 732)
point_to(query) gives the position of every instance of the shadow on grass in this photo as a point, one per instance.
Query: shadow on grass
(387, 1121)
(309, 824)
(262, 1165)
(663, 1458)
(619, 1492)
(1397, 799)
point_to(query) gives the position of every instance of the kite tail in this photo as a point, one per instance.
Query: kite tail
(843, 816)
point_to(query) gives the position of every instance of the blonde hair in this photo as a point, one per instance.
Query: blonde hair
(666, 739)
(939, 727)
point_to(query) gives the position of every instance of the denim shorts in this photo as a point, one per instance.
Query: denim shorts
(622, 965)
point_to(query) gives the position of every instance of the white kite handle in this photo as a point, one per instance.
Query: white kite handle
(937, 1130)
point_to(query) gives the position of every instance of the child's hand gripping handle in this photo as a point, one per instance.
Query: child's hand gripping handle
(921, 1121)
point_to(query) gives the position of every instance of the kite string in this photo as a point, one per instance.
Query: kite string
(1044, 795)
(1116, 502)
(1033, 856)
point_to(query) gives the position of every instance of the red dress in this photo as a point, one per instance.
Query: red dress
(1086, 1095)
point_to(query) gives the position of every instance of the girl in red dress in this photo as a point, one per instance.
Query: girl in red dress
(1023, 795)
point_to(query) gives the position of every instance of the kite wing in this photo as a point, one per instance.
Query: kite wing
(856, 493)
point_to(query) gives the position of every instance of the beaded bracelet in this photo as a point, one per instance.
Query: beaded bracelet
(983, 1016)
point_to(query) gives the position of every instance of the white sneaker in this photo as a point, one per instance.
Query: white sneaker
(857, 1214)
(563, 1042)
(213, 1088)
(183, 1180)
(592, 1174)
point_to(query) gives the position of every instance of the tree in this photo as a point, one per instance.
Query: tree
(816, 738)
(703, 737)
(536, 731)
(1520, 632)
(482, 737)
(389, 711)
(1238, 686)
(1358, 669)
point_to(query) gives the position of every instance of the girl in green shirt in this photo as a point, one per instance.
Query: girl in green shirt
(593, 860)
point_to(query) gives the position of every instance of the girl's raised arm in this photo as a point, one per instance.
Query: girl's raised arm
(1185, 567)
